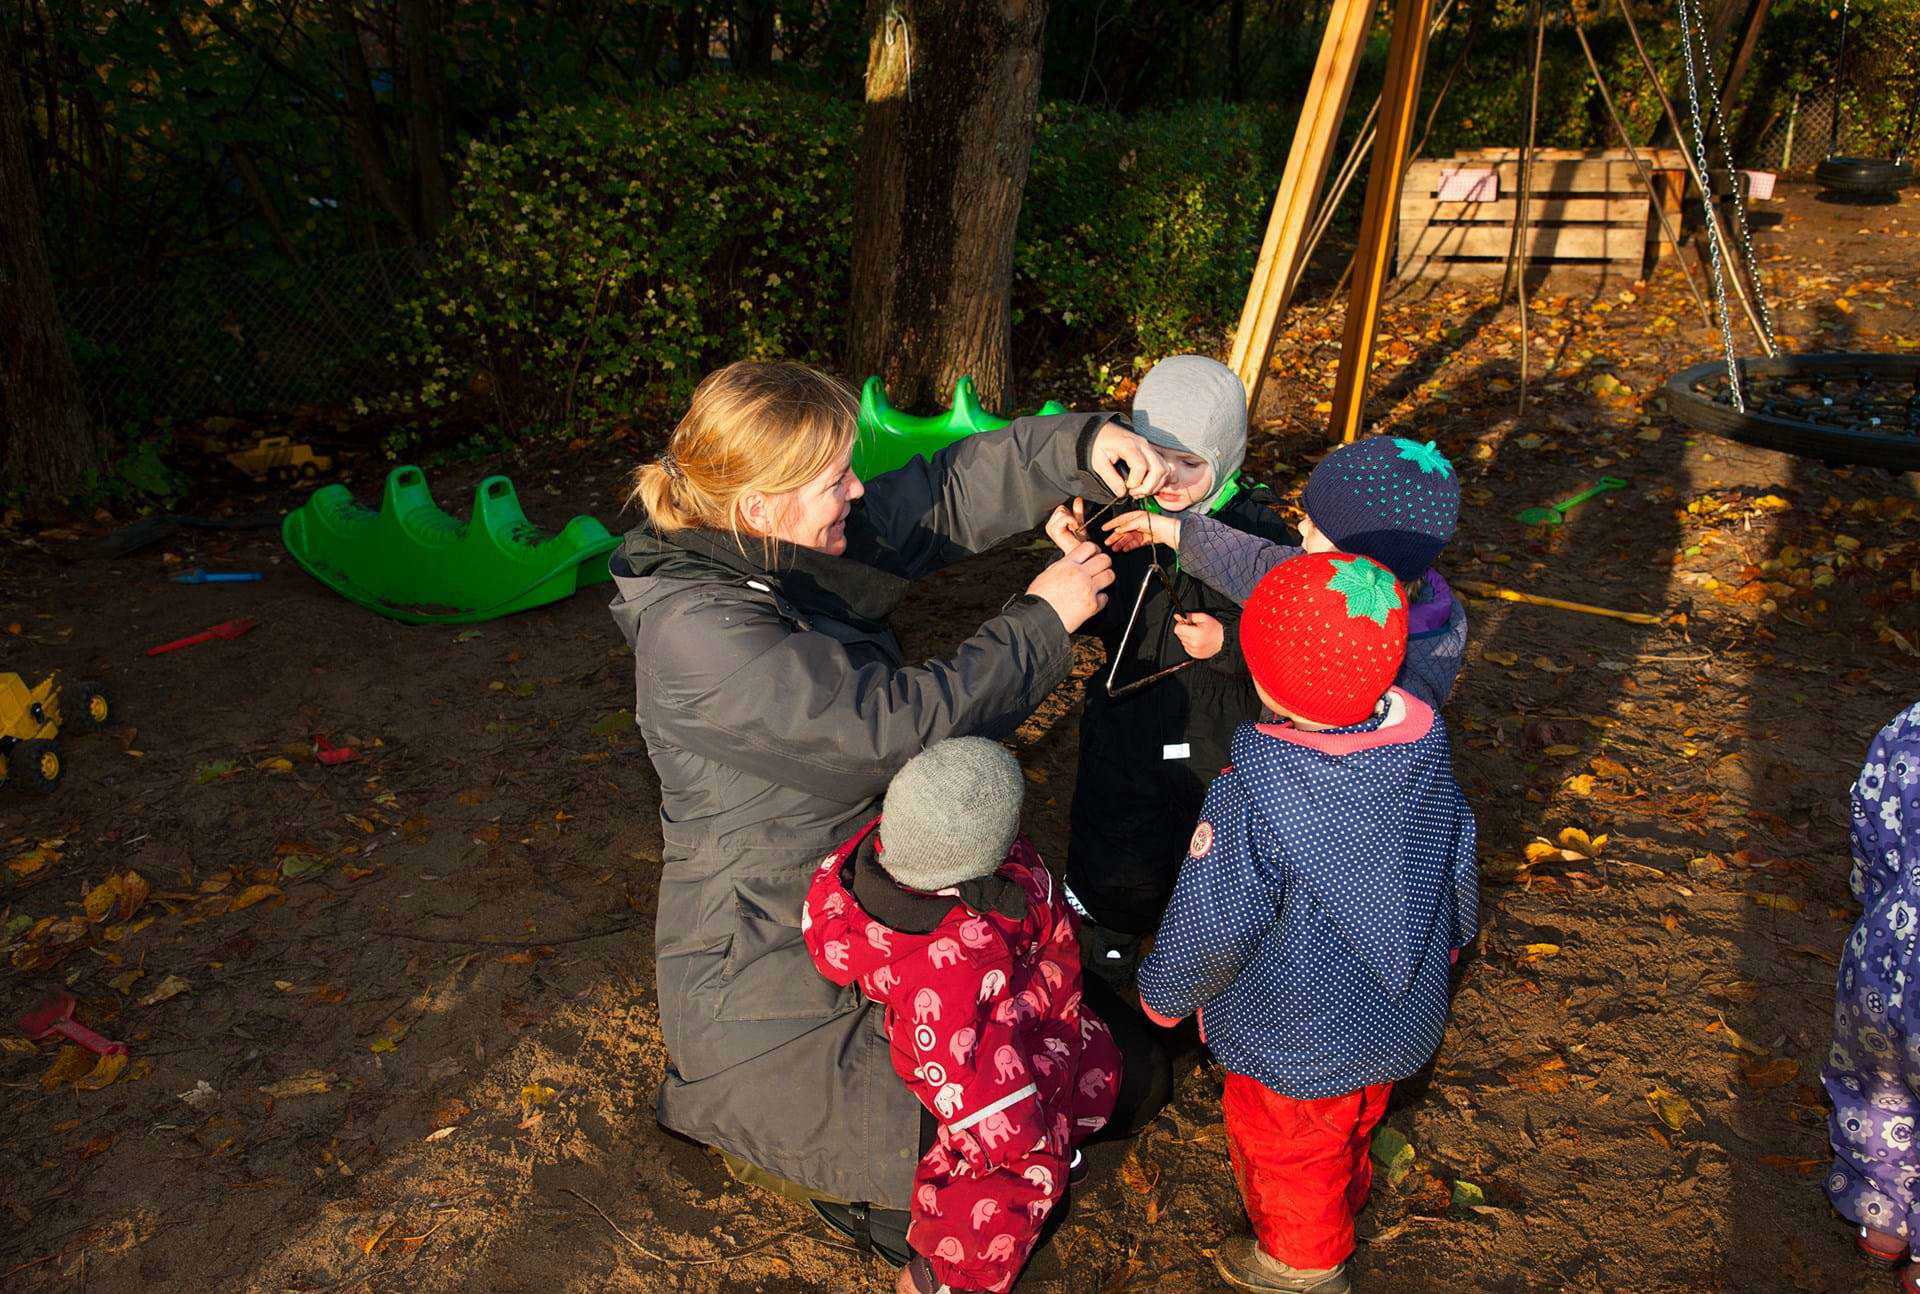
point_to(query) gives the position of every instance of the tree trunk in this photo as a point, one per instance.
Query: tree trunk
(690, 33)
(365, 133)
(426, 115)
(1236, 31)
(944, 146)
(754, 51)
(47, 442)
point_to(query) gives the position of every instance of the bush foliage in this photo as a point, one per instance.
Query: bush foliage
(604, 256)
(613, 251)
(1140, 232)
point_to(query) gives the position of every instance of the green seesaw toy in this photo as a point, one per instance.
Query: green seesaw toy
(412, 562)
(890, 439)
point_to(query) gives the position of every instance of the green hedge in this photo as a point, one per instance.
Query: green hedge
(604, 257)
(1140, 232)
(607, 254)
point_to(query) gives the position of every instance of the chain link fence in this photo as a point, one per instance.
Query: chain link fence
(205, 340)
(1798, 139)
(1877, 100)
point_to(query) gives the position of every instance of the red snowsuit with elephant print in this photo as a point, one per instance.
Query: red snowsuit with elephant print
(987, 1030)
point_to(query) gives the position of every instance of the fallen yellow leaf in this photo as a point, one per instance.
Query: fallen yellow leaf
(101, 898)
(254, 894)
(1765, 1074)
(311, 1083)
(1672, 1109)
(72, 1064)
(105, 1070)
(170, 987)
(533, 1095)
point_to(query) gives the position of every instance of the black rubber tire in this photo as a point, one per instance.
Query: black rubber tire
(1893, 449)
(35, 765)
(84, 707)
(308, 471)
(1872, 175)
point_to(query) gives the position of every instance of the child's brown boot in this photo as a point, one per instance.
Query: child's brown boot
(1243, 1264)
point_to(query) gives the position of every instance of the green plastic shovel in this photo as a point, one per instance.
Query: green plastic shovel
(1556, 513)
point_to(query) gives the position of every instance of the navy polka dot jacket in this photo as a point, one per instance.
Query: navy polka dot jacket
(1330, 879)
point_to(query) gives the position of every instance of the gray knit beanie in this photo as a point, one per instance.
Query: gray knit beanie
(1198, 406)
(951, 814)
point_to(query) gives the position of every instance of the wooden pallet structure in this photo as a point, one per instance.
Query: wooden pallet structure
(1590, 209)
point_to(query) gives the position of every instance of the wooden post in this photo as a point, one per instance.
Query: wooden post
(1313, 140)
(1406, 56)
(1750, 29)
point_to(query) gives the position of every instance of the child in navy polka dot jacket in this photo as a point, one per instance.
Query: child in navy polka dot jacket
(1385, 497)
(1330, 885)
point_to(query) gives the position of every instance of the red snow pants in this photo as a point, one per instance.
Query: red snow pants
(1302, 1166)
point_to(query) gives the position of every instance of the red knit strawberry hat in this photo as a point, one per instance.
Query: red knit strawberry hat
(1324, 635)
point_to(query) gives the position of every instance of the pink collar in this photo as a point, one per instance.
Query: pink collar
(1408, 720)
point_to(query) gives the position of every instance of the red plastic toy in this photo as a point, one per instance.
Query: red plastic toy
(55, 1015)
(227, 629)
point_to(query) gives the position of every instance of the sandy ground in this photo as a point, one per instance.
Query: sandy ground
(392, 1022)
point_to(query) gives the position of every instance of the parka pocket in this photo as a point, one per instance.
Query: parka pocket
(769, 974)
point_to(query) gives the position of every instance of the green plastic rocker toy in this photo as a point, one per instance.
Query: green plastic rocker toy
(412, 562)
(890, 439)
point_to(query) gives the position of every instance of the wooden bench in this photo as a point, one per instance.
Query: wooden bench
(1589, 210)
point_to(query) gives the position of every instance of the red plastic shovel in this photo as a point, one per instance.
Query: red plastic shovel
(227, 629)
(55, 1015)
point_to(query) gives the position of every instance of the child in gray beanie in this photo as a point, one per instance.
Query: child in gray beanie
(941, 911)
(1147, 756)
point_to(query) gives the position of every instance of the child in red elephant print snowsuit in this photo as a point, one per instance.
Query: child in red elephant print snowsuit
(938, 910)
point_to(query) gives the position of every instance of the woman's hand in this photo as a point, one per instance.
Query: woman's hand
(1115, 447)
(1073, 586)
(1200, 634)
(1131, 530)
(1067, 526)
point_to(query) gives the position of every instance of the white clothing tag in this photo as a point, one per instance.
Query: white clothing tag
(1180, 751)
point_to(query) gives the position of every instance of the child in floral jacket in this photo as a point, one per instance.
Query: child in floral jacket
(1874, 1064)
(941, 912)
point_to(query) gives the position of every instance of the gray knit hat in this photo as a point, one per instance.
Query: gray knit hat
(951, 814)
(1198, 406)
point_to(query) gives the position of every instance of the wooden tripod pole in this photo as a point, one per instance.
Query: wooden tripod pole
(1300, 184)
(1406, 56)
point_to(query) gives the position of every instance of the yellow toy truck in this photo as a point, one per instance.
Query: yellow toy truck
(278, 458)
(31, 720)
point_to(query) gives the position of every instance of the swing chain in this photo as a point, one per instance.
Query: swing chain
(1720, 133)
(1687, 21)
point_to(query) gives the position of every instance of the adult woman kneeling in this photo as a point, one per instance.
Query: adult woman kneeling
(776, 706)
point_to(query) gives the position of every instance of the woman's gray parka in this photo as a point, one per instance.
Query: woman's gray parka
(775, 707)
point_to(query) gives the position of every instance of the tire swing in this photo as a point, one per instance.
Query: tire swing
(1838, 407)
(1858, 177)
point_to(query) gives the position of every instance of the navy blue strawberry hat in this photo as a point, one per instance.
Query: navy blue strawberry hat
(1389, 498)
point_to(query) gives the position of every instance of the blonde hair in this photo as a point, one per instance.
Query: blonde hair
(766, 427)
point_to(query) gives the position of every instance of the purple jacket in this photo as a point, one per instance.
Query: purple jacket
(1232, 562)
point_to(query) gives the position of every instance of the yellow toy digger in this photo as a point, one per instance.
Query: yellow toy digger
(31, 720)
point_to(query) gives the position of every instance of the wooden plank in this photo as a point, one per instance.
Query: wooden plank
(1601, 210)
(1545, 243)
(1659, 159)
(1492, 269)
(1548, 177)
(1314, 137)
(1399, 97)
